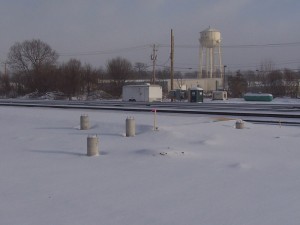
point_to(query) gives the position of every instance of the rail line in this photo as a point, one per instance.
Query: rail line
(283, 114)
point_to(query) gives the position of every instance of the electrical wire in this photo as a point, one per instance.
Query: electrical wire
(185, 66)
(102, 52)
(286, 44)
(124, 50)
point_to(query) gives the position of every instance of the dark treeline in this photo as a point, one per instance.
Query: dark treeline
(279, 83)
(33, 68)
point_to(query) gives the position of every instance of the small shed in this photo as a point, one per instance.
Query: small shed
(195, 94)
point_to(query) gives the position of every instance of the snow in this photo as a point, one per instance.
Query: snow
(283, 100)
(192, 170)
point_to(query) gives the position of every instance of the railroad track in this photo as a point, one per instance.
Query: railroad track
(284, 114)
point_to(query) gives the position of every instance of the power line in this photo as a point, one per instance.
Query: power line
(103, 52)
(290, 44)
(163, 64)
(133, 48)
(286, 44)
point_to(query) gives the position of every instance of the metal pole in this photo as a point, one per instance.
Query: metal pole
(172, 63)
(172, 60)
(224, 78)
(153, 58)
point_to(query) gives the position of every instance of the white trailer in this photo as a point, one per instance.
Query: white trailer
(219, 95)
(142, 93)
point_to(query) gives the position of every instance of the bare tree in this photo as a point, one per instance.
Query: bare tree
(275, 83)
(250, 76)
(70, 77)
(30, 59)
(291, 83)
(18, 84)
(267, 66)
(5, 86)
(237, 85)
(119, 70)
(141, 70)
(89, 78)
(162, 74)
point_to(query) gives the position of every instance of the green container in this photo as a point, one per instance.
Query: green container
(196, 94)
(258, 97)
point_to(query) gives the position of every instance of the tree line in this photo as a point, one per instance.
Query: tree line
(33, 67)
(279, 83)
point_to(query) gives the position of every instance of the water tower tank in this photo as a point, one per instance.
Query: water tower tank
(210, 54)
(210, 38)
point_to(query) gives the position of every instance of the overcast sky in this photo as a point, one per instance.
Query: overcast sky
(95, 31)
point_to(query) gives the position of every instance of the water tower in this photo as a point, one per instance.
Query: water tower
(210, 44)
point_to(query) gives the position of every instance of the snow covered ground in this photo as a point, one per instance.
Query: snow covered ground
(279, 100)
(193, 170)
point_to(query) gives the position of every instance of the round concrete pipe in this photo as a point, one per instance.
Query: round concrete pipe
(130, 127)
(92, 145)
(84, 122)
(239, 124)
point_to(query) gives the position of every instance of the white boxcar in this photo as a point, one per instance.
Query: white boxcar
(142, 93)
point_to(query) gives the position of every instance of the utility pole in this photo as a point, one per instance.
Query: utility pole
(172, 60)
(172, 63)
(153, 58)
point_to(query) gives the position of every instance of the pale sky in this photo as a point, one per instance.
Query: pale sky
(95, 31)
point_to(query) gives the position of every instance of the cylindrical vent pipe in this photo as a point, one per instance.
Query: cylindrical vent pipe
(130, 127)
(92, 145)
(84, 122)
(239, 124)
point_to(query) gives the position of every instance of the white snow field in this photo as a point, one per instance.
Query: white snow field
(194, 170)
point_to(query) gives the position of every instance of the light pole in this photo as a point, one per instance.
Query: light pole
(224, 77)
